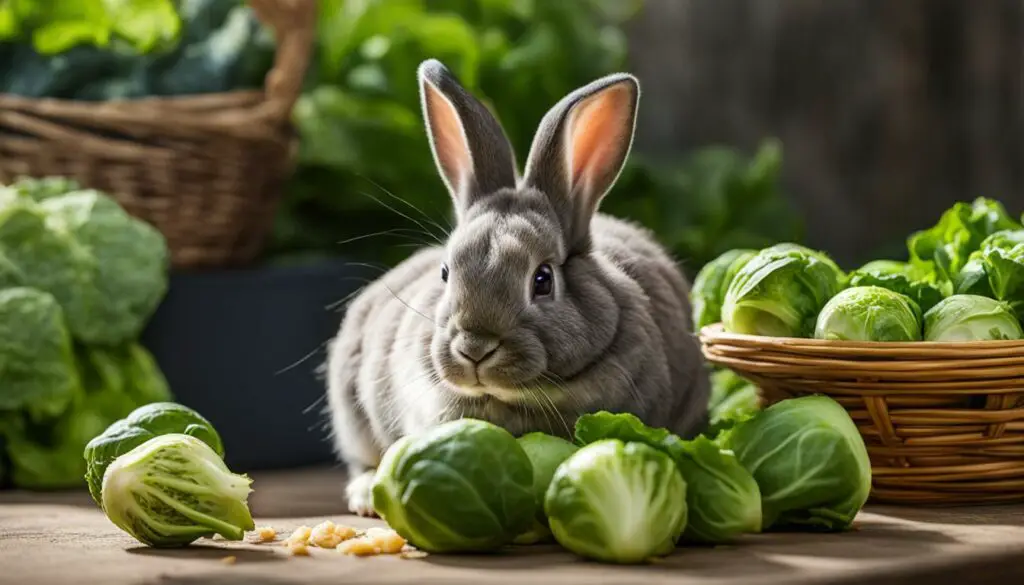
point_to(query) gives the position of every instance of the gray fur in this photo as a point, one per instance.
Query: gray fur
(615, 335)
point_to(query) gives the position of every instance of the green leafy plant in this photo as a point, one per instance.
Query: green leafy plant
(869, 313)
(546, 453)
(141, 425)
(922, 286)
(780, 291)
(174, 489)
(54, 26)
(971, 318)
(617, 502)
(809, 461)
(708, 291)
(461, 486)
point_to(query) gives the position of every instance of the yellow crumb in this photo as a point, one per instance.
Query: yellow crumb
(298, 548)
(301, 534)
(265, 534)
(229, 560)
(361, 546)
(387, 540)
(412, 554)
(344, 532)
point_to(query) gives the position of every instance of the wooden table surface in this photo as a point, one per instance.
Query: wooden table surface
(64, 539)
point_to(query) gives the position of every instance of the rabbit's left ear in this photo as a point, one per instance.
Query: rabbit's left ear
(580, 149)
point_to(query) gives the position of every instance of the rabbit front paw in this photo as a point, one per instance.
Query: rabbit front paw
(359, 492)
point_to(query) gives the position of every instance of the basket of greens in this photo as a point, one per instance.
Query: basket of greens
(926, 355)
(181, 110)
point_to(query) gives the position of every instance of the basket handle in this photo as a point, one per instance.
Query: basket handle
(294, 25)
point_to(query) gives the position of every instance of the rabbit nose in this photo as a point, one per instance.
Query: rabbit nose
(474, 348)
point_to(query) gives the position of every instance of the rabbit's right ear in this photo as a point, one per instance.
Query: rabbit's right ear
(470, 148)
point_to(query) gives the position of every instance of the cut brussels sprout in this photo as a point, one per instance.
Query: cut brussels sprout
(174, 489)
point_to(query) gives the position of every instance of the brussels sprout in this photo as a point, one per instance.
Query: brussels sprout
(143, 424)
(722, 497)
(37, 365)
(617, 502)
(869, 313)
(924, 288)
(971, 318)
(780, 291)
(546, 453)
(463, 486)
(174, 489)
(712, 281)
(733, 400)
(945, 247)
(809, 462)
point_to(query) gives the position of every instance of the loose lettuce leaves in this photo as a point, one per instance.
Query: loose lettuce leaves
(945, 247)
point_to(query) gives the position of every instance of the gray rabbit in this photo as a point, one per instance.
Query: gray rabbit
(536, 310)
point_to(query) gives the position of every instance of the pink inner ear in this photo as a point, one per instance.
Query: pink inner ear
(599, 130)
(450, 145)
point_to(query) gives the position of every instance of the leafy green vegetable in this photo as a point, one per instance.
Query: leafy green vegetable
(617, 502)
(945, 247)
(131, 259)
(971, 318)
(923, 287)
(996, 270)
(722, 497)
(780, 291)
(465, 485)
(624, 426)
(869, 313)
(37, 367)
(733, 400)
(546, 453)
(173, 489)
(39, 189)
(56, 26)
(708, 290)
(809, 461)
(49, 258)
(141, 425)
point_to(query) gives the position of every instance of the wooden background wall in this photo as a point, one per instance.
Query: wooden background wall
(888, 110)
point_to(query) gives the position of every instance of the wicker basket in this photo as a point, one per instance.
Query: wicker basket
(943, 422)
(207, 170)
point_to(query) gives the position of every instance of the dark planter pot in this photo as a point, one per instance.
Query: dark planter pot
(242, 347)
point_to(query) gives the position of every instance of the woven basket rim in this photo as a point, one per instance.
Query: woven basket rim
(716, 333)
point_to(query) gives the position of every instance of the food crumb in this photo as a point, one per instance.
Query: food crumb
(374, 541)
(229, 560)
(413, 554)
(298, 548)
(360, 547)
(327, 534)
(265, 534)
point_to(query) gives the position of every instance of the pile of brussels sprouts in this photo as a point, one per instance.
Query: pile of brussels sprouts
(964, 281)
(623, 492)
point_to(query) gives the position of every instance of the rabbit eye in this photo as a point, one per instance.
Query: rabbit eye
(444, 272)
(543, 281)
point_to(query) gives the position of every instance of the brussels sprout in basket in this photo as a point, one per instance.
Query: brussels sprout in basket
(869, 313)
(780, 291)
(710, 284)
(971, 318)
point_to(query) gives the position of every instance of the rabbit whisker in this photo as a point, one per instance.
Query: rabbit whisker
(408, 217)
(425, 216)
